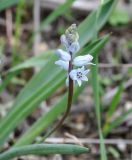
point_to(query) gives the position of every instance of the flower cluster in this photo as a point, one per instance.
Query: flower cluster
(77, 71)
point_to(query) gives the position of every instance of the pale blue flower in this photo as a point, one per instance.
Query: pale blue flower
(83, 60)
(63, 64)
(63, 55)
(79, 75)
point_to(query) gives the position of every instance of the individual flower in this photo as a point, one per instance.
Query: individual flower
(83, 60)
(63, 55)
(79, 75)
(63, 64)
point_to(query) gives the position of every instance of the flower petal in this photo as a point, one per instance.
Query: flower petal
(67, 82)
(79, 82)
(64, 41)
(63, 55)
(86, 71)
(84, 78)
(63, 64)
(73, 74)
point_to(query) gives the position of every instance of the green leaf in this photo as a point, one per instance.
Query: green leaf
(115, 101)
(36, 61)
(17, 31)
(119, 120)
(95, 85)
(7, 3)
(119, 17)
(114, 152)
(112, 108)
(43, 149)
(41, 86)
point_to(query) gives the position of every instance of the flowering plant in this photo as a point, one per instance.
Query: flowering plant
(75, 67)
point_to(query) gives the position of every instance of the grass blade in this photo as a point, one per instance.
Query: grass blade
(112, 108)
(95, 83)
(36, 61)
(7, 3)
(118, 121)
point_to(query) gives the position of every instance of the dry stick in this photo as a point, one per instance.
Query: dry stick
(89, 141)
(70, 95)
(9, 27)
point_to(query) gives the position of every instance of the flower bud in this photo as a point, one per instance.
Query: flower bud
(63, 55)
(83, 60)
(63, 64)
(74, 48)
(72, 34)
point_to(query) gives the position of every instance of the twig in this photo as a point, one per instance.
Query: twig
(107, 65)
(9, 27)
(89, 141)
(82, 5)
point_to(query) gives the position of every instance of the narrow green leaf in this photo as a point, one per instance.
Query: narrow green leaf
(112, 108)
(114, 152)
(36, 61)
(115, 101)
(97, 106)
(7, 3)
(118, 121)
(43, 149)
(95, 85)
(17, 32)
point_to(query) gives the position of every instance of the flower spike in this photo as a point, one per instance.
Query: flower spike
(70, 40)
